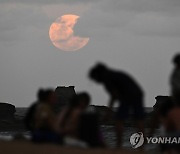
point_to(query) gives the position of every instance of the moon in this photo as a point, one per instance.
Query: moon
(62, 36)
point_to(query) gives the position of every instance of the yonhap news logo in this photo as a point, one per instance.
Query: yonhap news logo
(137, 140)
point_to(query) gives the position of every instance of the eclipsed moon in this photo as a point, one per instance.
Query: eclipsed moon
(62, 35)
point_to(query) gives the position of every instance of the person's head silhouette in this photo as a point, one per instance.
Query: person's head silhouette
(97, 73)
(176, 60)
(41, 94)
(81, 100)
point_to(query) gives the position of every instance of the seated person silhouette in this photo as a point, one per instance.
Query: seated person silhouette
(161, 109)
(77, 125)
(29, 118)
(124, 89)
(45, 120)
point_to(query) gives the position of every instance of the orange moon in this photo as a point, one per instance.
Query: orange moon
(62, 36)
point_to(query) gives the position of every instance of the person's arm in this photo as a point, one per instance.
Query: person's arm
(109, 111)
(59, 125)
(114, 97)
(111, 102)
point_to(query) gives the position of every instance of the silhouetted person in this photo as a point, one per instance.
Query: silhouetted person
(175, 79)
(68, 119)
(29, 118)
(44, 110)
(45, 120)
(173, 120)
(74, 122)
(173, 129)
(161, 109)
(124, 89)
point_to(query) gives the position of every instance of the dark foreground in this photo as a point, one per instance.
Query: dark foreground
(21, 147)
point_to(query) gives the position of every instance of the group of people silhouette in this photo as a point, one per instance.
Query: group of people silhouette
(74, 124)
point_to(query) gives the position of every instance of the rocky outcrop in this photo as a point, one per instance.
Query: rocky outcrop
(7, 111)
(64, 95)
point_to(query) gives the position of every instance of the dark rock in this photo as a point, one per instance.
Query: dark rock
(7, 111)
(102, 111)
(64, 96)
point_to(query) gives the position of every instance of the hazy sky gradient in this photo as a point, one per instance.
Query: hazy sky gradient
(137, 36)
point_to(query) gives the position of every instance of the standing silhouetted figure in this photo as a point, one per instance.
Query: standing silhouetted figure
(175, 79)
(124, 89)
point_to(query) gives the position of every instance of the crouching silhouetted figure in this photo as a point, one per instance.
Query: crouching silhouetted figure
(124, 89)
